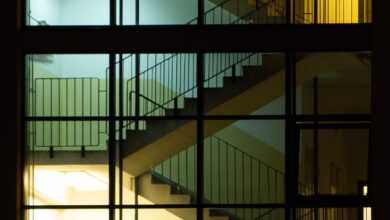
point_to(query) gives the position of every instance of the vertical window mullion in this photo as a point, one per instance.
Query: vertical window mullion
(200, 128)
(200, 122)
(111, 138)
(290, 167)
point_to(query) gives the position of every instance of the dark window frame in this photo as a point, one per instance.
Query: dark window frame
(200, 47)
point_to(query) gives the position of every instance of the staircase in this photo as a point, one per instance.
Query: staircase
(236, 81)
(157, 137)
(250, 181)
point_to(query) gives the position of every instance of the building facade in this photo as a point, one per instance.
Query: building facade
(196, 110)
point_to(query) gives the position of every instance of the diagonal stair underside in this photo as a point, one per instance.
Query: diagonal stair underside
(258, 86)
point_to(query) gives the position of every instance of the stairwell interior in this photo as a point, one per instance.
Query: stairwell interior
(156, 130)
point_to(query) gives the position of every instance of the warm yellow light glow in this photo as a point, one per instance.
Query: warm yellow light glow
(69, 185)
(42, 214)
(53, 186)
(332, 11)
(84, 181)
(50, 184)
(366, 211)
(365, 190)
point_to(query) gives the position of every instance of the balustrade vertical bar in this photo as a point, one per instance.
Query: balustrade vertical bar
(90, 111)
(259, 181)
(51, 110)
(59, 112)
(235, 176)
(74, 112)
(219, 171)
(178, 169)
(67, 111)
(211, 168)
(227, 173)
(187, 184)
(243, 177)
(121, 121)
(82, 112)
(137, 90)
(251, 185)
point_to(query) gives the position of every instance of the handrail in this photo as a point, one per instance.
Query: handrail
(117, 62)
(264, 175)
(147, 99)
(245, 175)
(250, 13)
(219, 5)
(194, 87)
(39, 22)
(209, 10)
(264, 214)
(165, 60)
(250, 156)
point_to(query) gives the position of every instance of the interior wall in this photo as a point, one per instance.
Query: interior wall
(47, 10)
(84, 12)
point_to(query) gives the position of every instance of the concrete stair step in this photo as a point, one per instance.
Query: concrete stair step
(160, 193)
(190, 107)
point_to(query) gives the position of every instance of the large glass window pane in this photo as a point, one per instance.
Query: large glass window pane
(160, 161)
(66, 163)
(342, 82)
(244, 12)
(169, 214)
(333, 11)
(244, 213)
(67, 85)
(244, 84)
(167, 85)
(327, 213)
(67, 12)
(165, 12)
(67, 214)
(244, 162)
(338, 162)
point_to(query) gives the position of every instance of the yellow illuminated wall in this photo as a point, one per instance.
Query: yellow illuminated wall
(338, 11)
(333, 11)
(79, 185)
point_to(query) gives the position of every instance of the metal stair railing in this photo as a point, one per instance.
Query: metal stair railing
(231, 176)
(169, 100)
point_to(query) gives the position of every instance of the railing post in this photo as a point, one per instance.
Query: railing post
(83, 151)
(51, 152)
(175, 105)
(137, 89)
(234, 74)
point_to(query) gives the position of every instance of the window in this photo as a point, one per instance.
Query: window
(186, 133)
